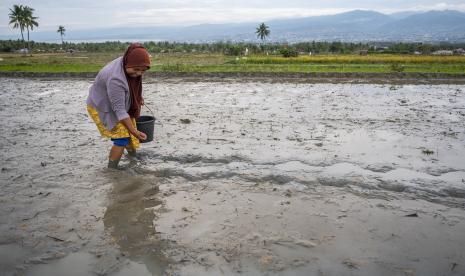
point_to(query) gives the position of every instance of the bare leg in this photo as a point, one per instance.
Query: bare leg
(115, 155)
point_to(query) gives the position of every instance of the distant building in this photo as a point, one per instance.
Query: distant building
(443, 53)
(363, 52)
(459, 51)
(417, 53)
(381, 49)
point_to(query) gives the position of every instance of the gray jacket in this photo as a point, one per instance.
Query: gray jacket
(109, 94)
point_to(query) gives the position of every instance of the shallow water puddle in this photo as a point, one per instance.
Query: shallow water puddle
(75, 264)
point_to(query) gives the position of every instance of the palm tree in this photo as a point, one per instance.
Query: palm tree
(29, 21)
(17, 18)
(61, 30)
(262, 32)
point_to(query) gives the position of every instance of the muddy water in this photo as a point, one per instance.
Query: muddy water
(252, 178)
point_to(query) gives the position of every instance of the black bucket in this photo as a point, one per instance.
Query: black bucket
(146, 125)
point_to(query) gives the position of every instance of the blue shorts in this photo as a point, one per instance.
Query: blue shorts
(121, 142)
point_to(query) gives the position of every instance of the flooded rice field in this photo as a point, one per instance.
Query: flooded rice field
(255, 178)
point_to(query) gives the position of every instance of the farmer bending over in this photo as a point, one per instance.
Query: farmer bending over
(115, 100)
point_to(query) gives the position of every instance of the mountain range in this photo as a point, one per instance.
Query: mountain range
(353, 26)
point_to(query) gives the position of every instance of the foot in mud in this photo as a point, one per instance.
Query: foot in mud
(132, 153)
(113, 164)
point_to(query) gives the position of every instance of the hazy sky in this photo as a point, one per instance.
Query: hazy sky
(84, 14)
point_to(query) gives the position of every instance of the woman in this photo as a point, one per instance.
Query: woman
(115, 100)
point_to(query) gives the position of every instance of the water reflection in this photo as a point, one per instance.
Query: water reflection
(129, 219)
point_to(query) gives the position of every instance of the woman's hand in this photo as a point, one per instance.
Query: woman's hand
(131, 128)
(140, 135)
(142, 102)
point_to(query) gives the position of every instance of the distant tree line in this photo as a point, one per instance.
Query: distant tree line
(236, 49)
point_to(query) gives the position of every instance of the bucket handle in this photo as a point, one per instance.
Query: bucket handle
(153, 114)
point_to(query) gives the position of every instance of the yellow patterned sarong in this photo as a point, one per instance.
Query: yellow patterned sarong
(119, 131)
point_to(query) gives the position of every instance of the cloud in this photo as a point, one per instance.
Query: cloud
(187, 16)
(440, 6)
(424, 7)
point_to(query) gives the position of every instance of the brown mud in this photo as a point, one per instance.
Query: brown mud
(243, 178)
(280, 77)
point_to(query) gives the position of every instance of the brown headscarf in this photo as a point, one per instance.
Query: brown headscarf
(135, 56)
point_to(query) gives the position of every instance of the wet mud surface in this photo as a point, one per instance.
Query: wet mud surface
(251, 178)
(275, 77)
